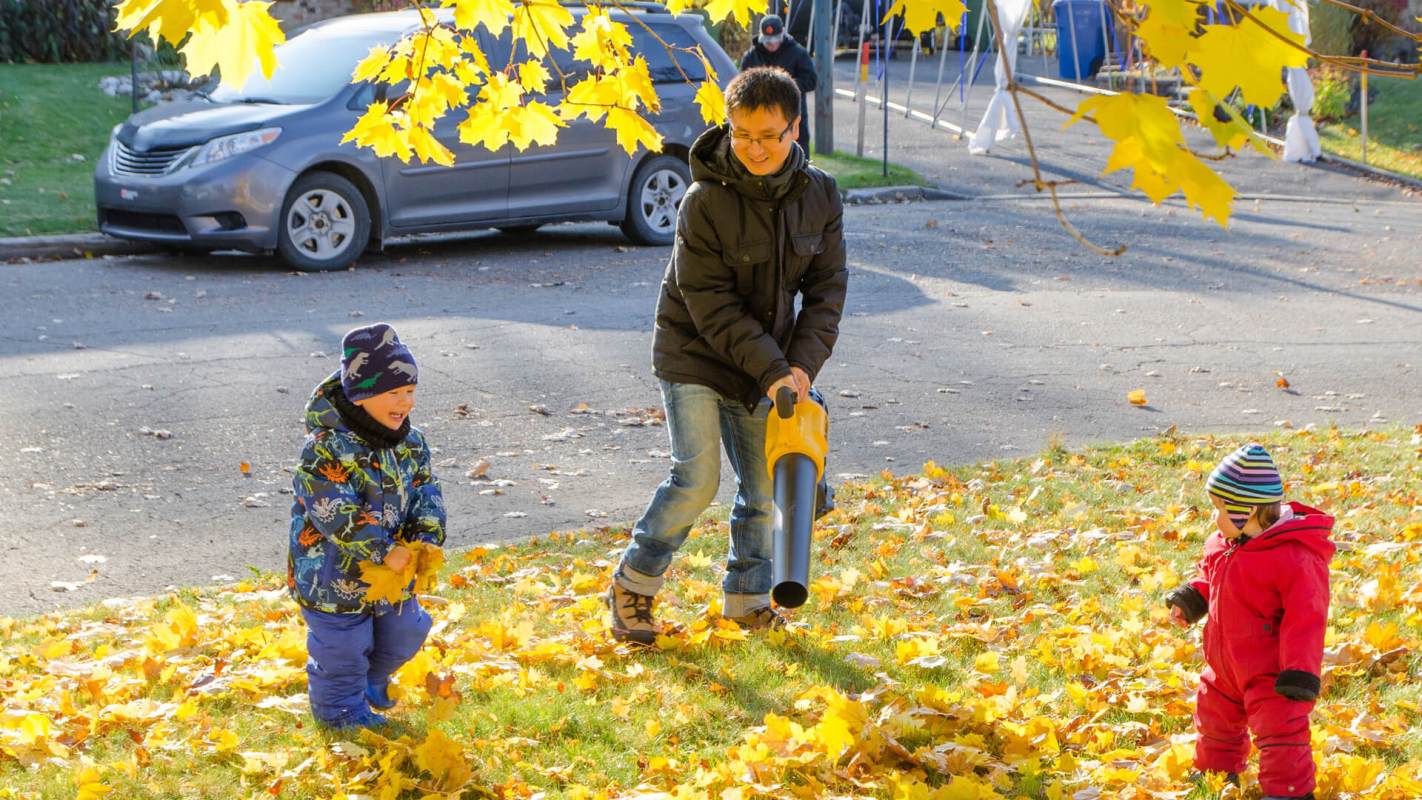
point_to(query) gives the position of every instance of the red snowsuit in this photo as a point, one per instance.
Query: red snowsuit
(1267, 601)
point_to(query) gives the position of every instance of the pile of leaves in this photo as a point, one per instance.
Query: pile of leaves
(987, 631)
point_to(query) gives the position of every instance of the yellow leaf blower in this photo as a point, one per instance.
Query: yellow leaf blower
(796, 440)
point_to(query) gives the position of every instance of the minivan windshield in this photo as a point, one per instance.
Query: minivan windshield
(311, 67)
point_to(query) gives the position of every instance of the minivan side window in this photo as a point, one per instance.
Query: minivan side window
(663, 68)
(660, 62)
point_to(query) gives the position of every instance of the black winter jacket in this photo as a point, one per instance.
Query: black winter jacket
(792, 57)
(745, 247)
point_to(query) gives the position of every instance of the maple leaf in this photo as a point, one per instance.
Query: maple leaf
(1247, 56)
(372, 65)
(1234, 133)
(741, 10)
(534, 123)
(444, 760)
(248, 33)
(90, 783)
(384, 583)
(533, 77)
(428, 149)
(590, 97)
(632, 130)
(1203, 187)
(922, 15)
(492, 14)
(601, 41)
(485, 125)
(429, 558)
(376, 129)
(1137, 397)
(474, 56)
(542, 25)
(1167, 42)
(168, 19)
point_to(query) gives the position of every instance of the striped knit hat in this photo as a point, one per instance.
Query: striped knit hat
(1244, 479)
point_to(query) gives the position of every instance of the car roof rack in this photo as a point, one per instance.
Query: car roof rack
(636, 5)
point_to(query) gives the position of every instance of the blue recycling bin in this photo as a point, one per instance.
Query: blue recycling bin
(1082, 20)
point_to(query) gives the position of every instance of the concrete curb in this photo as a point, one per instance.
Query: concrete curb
(75, 245)
(898, 194)
(82, 245)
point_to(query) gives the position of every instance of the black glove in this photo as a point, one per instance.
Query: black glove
(1189, 601)
(1298, 685)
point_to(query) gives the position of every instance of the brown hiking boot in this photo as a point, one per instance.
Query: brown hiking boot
(763, 618)
(632, 619)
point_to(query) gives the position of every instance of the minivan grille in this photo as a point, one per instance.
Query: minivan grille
(141, 221)
(127, 161)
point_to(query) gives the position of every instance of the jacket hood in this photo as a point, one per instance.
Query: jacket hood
(712, 160)
(187, 124)
(321, 413)
(1309, 527)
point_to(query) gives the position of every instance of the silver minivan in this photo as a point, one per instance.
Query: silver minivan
(262, 168)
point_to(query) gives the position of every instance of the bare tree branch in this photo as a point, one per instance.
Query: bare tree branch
(1037, 181)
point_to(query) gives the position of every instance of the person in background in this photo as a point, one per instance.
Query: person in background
(773, 47)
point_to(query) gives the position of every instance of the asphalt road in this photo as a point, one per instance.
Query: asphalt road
(136, 388)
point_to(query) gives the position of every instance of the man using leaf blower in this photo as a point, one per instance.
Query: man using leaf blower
(758, 227)
(368, 517)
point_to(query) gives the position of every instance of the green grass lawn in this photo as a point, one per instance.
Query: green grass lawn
(993, 631)
(851, 172)
(49, 113)
(1394, 129)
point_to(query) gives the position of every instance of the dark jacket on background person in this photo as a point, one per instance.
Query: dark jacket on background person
(745, 246)
(792, 57)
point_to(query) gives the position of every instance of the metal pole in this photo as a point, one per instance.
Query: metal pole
(1106, 44)
(1363, 109)
(859, 86)
(969, 79)
(838, 18)
(943, 56)
(1075, 53)
(824, 74)
(133, 74)
(884, 89)
(913, 65)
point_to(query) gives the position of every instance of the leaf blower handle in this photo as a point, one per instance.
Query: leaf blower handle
(785, 402)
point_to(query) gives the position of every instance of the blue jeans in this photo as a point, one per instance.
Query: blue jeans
(347, 652)
(699, 421)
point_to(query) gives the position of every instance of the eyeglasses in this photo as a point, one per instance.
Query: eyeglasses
(746, 140)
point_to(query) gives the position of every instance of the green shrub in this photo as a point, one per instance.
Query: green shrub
(1333, 93)
(53, 31)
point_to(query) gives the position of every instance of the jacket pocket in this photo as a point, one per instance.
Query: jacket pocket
(743, 259)
(803, 248)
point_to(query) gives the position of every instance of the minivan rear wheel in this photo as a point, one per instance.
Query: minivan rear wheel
(325, 223)
(653, 198)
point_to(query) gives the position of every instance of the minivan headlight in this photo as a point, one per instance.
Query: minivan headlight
(235, 144)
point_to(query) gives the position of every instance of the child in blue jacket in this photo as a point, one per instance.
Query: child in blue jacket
(363, 490)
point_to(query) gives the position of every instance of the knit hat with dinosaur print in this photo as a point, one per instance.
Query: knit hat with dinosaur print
(375, 361)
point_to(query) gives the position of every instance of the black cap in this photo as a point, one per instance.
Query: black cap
(771, 25)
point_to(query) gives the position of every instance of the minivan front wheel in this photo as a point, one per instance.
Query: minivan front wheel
(325, 223)
(653, 198)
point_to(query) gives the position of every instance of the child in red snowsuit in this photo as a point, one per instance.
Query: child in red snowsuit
(1263, 581)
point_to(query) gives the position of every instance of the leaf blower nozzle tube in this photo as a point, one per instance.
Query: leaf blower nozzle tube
(795, 452)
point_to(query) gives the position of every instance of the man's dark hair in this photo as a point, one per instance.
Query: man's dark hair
(764, 87)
